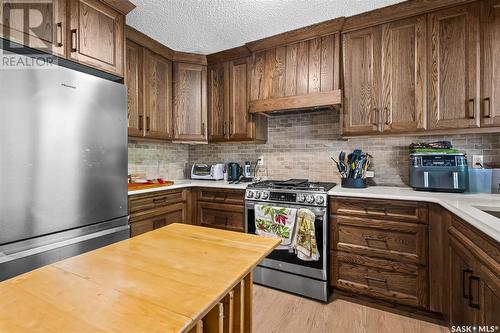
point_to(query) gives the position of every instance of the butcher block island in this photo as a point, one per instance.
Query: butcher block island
(180, 278)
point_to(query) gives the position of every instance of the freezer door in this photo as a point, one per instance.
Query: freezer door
(63, 151)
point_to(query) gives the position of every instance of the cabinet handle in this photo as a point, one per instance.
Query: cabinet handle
(464, 289)
(203, 128)
(376, 117)
(224, 129)
(148, 123)
(231, 129)
(388, 118)
(487, 106)
(471, 303)
(141, 123)
(376, 210)
(378, 239)
(472, 112)
(59, 41)
(159, 200)
(74, 40)
(375, 279)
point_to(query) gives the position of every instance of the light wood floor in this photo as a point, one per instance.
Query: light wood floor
(276, 312)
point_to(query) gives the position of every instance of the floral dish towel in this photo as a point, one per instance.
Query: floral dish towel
(278, 222)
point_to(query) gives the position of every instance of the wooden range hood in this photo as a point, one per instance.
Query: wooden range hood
(296, 70)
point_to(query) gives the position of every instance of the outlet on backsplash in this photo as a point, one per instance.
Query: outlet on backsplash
(477, 161)
(260, 160)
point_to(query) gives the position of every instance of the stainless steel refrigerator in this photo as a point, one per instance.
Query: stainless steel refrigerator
(63, 165)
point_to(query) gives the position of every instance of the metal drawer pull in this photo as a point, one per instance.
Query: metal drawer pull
(464, 290)
(140, 123)
(487, 110)
(59, 32)
(378, 239)
(375, 279)
(472, 105)
(381, 210)
(158, 200)
(74, 40)
(148, 123)
(471, 303)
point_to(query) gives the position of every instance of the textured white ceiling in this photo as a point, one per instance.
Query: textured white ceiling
(208, 26)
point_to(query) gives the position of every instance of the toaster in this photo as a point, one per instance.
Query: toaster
(207, 171)
(439, 172)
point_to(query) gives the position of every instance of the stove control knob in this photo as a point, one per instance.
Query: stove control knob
(257, 194)
(265, 195)
(320, 199)
(249, 194)
(301, 198)
(310, 198)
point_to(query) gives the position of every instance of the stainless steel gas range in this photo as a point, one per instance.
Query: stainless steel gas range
(282, 269)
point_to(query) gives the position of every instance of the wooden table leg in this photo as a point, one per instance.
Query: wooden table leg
(248, 302)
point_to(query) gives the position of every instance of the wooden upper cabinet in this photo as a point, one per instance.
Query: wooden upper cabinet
(404, 75)
(190, 102)
(134, 83)
(96, 35)
(240, 125)
(362, 75)
(20, 22)
(491, 67)
(217, 104)
(157, 82)
(454, 61)
(309, 69)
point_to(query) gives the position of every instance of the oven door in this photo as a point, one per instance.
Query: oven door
(283, 260)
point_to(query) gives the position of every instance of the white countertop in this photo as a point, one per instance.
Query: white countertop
(462, 205)
(193, 183)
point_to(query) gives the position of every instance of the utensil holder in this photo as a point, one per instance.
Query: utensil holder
(354, 183)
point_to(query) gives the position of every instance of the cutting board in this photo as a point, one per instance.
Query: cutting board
(138, 186)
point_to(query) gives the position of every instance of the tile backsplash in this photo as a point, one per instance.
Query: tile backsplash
(158, 159)
(300, 146)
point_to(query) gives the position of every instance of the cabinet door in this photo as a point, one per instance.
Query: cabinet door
(454, 68)
(190, 102)
(133, 80)
(240, 125)
(488, 297)
(96, 35)
(404, 75)
(222, 216)
(217, 101)
(37, 25)
(491, 66)
(157, 76)
(462, 265)
(362, 73)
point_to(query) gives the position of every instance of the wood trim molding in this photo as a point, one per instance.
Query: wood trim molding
(228, 55)
(396, 12)
(166, 52)
(333, 97)
(122, 6)
(297, 35)
(475, 130)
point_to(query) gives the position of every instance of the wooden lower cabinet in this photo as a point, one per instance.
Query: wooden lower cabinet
(155, 210)
(218, 208)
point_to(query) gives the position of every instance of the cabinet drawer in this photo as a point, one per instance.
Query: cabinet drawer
(378, 278)
(386, 239)
(141, 223)
(235, 197)
(230, 217)
(154, 200)
(384, 209)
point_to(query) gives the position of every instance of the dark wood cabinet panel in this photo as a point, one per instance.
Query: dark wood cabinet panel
(217, 101)
(96, 35)
(176, 214)
(240, 124)
(362, 79)
(404, 80)
(49, 35)
(454, 75)
(488, 293)
(490, 96)
(190, 102)
(157, 80)
(134, 83)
